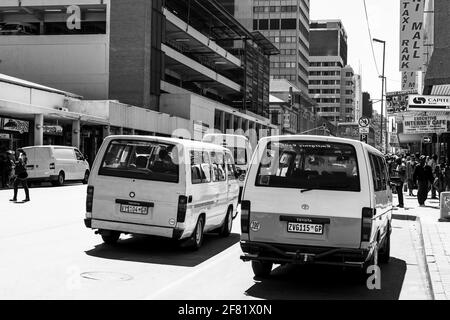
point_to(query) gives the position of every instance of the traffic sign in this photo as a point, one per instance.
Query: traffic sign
(364, 130)
(426, 139)
(364, 122)
(364, 138)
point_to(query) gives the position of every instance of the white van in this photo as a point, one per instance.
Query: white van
(315, 199)
(239, 146)
(56, 164)
(163, 187)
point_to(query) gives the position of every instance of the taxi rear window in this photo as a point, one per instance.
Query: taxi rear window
(141, 160)
(309, 165)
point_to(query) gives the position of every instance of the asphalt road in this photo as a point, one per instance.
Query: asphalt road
(47, 253)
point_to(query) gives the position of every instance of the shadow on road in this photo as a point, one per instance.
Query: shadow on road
(163, 251)
(331, 283)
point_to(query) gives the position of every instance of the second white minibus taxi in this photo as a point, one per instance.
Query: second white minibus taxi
(164, 187)
(311, 199)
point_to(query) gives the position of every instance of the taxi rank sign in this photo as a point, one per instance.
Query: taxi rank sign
(411, 35)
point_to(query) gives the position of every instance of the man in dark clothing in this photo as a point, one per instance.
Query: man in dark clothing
(424, 177)
(400, 175)
(21, 176)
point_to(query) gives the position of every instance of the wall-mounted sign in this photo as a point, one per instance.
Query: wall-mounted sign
(397, 102)
(287, 120)
(409, 80)
(428, 103)
(424, 124)
(427, 140)
(411, 35)
(5, 136)
(20, 126)
(54, 130)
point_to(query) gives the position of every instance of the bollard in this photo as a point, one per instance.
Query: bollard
(445, 207)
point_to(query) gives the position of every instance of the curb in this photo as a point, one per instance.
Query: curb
(422, 253)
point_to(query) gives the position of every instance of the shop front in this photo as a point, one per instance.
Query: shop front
(14, 133)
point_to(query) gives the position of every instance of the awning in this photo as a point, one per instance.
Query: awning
(267, 46)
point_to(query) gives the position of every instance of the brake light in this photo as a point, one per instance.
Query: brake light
(182, 208)
(89, 198)
(245, 216)
(52, 166)
(366, 226)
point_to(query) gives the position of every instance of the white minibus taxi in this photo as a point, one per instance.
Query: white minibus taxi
(163, 187)
(239, 146)
(315, 199)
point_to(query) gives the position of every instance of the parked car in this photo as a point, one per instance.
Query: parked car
(164, 187)
(316, 200)
(18, 28)
(56, 164)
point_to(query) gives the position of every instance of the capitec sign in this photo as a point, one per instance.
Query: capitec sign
(428, 103)
(425, 124)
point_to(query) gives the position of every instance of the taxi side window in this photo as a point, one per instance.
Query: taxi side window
(200, 167)
(379, 173)
(230, 167)
(218, 166)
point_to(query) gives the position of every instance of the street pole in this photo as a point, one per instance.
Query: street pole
(382, 95)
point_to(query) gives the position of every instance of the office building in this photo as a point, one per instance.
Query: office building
(331, 80)
(286, 24)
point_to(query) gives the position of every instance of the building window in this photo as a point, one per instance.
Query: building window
(274, 24)
(288, 24)
(264, 24)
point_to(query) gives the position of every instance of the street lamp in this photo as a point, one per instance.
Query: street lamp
(382, 89)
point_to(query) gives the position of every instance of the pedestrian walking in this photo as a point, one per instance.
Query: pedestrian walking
(439, 184)
(400, 178)
(433, 163)
(21, 176)
(424, 177)
(410, 166)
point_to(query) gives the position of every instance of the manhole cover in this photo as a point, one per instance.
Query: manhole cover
(106, 276)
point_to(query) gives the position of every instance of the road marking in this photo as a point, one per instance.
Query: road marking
(233, 250)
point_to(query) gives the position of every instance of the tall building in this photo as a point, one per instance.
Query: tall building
(331, 80)
(286, 24)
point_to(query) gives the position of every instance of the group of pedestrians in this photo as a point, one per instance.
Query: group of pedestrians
(13, 170)
(424, 173)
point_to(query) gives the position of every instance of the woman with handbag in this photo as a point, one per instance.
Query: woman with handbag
(21, 176)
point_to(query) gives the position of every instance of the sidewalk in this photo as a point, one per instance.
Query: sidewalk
(436, 237)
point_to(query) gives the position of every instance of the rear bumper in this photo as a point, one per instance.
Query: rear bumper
(131, 228)
(279, 253)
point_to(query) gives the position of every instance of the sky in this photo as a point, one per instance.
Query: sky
(384, 20)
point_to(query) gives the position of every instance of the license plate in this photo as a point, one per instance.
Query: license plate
(126, 208)
(305, 228)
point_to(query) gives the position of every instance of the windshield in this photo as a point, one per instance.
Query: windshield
(141, 160)
(309, 165)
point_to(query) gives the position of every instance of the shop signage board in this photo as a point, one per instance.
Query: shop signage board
(424, 124)
(15, 125)
(397, 102)
(409, 80)
(429, 103)
(411, 35)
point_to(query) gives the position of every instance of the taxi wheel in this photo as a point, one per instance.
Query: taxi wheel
(262, 269)
(197, 236)
(111, 238)
(227, 224)
(385, 254)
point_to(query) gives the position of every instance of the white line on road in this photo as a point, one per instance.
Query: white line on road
(233, 250)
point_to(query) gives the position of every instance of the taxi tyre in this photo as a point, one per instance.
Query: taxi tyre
(111, 238)
(385, 253)
(262, 269)
(197, 235)
(228, 223)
